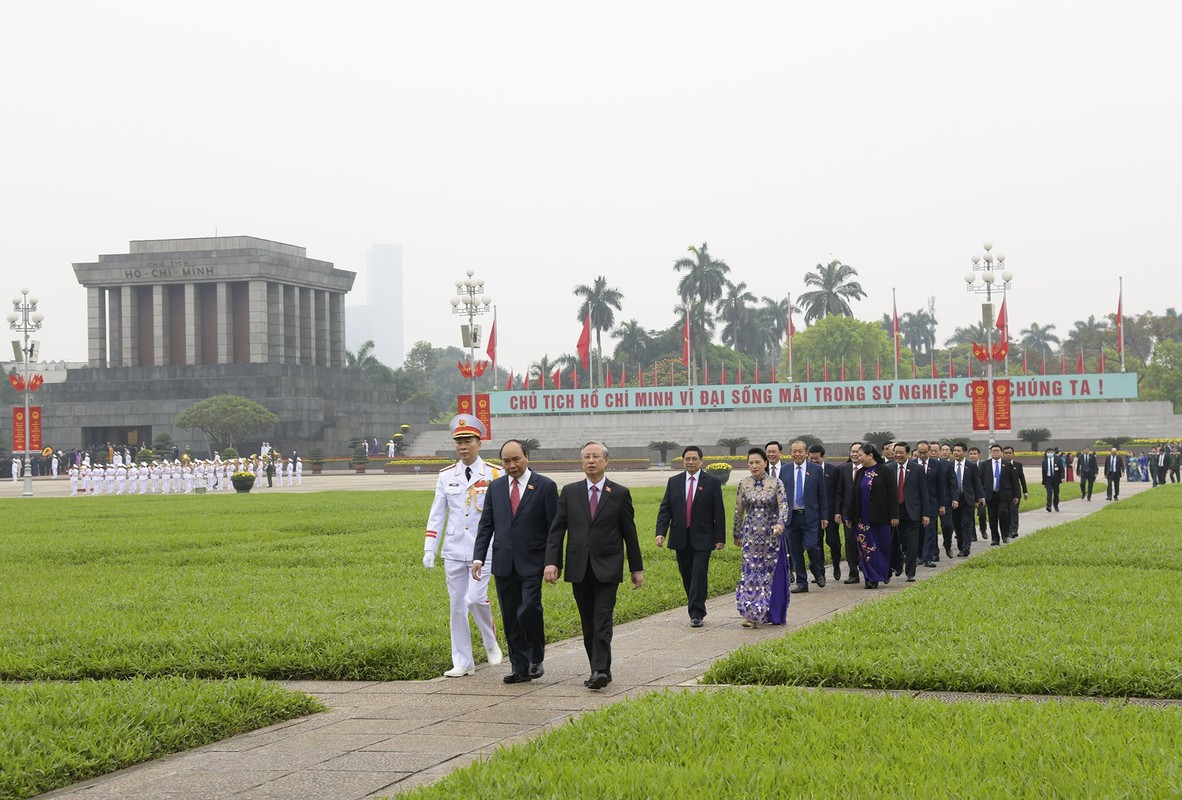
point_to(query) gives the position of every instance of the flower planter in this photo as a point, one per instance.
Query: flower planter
(360, 468)
(242, 485)
(317, 469)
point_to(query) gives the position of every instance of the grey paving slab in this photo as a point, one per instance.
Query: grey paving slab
(380, 739)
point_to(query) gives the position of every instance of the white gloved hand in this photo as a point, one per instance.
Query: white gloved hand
(428, 559)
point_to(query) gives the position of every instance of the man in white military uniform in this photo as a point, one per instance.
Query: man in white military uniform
(459, 501)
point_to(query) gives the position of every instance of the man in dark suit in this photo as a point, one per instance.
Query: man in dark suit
(693, 516)
(1007, 454)
(519, 508)
(967, 495)
(1053, 474)
(1002, 493)
(832, 529)
(804, 484)
(1088, 470)
(1114, 469)
(914, 505)
(847, 482)
(939, 485)
(1175, 463)
(982, 521)
(596, 518)
(1161, 463)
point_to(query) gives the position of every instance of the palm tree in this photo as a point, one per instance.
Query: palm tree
(974, 333)
(701, 324)
(365, 361)
(705, 276)
(635, 340)
(601, 302)
(1088, 334)
(1039, 339)
(774, 316)
(834, 288)
(542, 369)
(736, 315)
(918, 331)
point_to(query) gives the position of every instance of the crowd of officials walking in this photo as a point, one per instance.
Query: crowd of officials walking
(881, 514)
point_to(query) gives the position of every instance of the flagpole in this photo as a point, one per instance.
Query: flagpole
(494, 352)
(895, 327)
(1121, 322)
(1005, 321)
(790, 337)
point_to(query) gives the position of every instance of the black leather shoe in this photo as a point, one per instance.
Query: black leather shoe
(837, 573)
(1048, 509)
(821, 581)
(536, 671)
(696, 622)
(798, 588)
(852, 579)
(517, 677)
(948, 550)
(597, 680)
(911, 579)
(930, 564)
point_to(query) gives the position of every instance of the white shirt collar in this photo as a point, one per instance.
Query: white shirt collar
(523, 480)
(598, 486)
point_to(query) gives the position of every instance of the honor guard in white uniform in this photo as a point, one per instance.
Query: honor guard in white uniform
(459, 501)
(73, 480)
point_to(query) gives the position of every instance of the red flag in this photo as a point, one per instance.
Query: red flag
(541, 379)
(584, 344)
(640, 375)
(525, 382)
(556, 378)
(574, 377)
(1023, 360)
(739, 373)
(722, 380)
(826, 372)
(1003, 322)
(774, 372)
(861, 373)
(1044, 363)
(791, 327)
(608, 383)
(685, 342)
(934, 374)
(706, 369)
(623, 375)
(1120, 321)
(808, 371)
(1079, 364)
(492, 343)
(671, 373)
(878, 367)
(757, 372)
(509, 383)
(914, 373)
(843, 368)
(951, 365)
(1062, 363)
(1101, 368)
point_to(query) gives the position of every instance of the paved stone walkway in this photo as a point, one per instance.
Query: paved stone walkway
(382, 738)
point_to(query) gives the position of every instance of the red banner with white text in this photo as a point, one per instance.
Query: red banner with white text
(980, 401)
(1001, 404)
(482, 413)
(18, 428)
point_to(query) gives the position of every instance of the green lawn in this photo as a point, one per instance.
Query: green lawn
(1037, 616)
(327, 585)
(784, 742)
(54, 734)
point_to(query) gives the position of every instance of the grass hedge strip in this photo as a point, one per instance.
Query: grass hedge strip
(297, 586)
(785, 742)
(1013, 620)
(55, 734)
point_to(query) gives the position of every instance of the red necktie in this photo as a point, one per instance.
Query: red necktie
(594, 499)
(902, 473)
(514, 498)
(689, 502)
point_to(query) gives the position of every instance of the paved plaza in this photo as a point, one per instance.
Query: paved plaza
(379, 739)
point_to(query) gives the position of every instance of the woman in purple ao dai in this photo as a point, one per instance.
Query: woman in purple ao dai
(761, 511)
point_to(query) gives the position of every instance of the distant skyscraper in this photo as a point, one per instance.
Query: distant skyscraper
(380, 317)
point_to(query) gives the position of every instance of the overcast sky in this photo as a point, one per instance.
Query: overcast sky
(543, 144)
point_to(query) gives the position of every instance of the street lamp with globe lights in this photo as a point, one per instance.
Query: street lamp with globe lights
(471, 301)
(987, 277)
(26, 319)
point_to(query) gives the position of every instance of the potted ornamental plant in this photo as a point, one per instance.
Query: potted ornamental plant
(720, 470)
(316, 459)
(243, 481)
(360, 459)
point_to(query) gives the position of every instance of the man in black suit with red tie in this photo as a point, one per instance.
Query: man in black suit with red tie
(914, 505)
(1114, 469)
(847, 484)
(967, 495)
(598, 523)
(1002, 493)
(693, 516)
(519, 507)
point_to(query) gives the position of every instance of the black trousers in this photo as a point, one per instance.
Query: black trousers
(520, 598)
(833, 539)
(597, 603)
(694, 566)
(909, 537)
(963, 521)
(1086, 484)
(853, 558)
(999, 517)
(1052, 494)
(1114, 487)
(801, 541)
